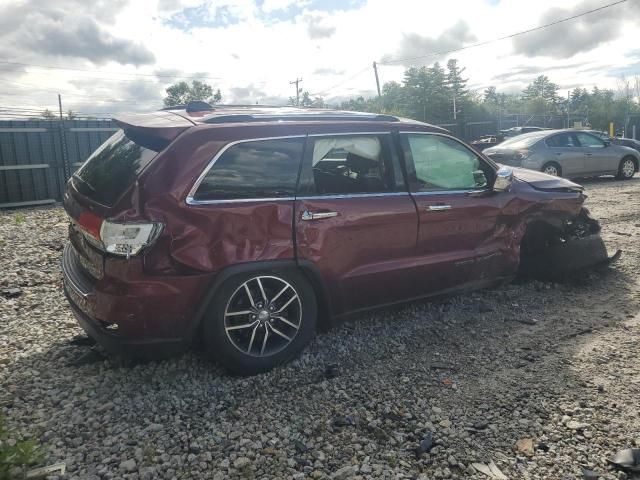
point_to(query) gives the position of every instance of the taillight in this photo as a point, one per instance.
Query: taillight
(123, 239)
(90, 223)
(128, 238)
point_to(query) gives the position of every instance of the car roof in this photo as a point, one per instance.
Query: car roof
(264, 113)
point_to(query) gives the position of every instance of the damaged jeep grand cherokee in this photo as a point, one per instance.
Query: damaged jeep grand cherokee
(251, 227)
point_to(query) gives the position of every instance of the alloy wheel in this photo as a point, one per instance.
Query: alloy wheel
(263, 316)
(551, 170)
(628, 168)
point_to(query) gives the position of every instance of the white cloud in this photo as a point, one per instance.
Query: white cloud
(258, 48)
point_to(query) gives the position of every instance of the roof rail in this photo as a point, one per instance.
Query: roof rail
(297, 117)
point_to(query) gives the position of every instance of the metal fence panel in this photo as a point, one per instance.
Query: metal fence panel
(38, 156)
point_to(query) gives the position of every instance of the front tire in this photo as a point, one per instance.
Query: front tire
(626, 169)
(552, 168)
(260, 320)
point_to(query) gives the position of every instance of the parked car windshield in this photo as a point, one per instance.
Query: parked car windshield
(523, 141)
(112, 168)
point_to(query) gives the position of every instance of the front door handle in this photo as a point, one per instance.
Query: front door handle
(588, 154)
(438, 208)
(308, 216)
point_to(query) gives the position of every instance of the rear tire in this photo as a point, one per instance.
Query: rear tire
(626, 169)
(250, 335)
(552, 168)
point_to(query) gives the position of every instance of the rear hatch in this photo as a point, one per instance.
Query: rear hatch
(110, 173)
(106, 186)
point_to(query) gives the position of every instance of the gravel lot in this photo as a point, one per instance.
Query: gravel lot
(475, 374)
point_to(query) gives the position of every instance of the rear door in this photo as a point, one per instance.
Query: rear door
(460, 239)
(598, 158)
(565, 150)
(355, 220)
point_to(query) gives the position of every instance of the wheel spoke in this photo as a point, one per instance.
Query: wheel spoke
(279, 293)
(275, 330)
(253, 336)
(266, 335)
(240, 327)
(264, 295)
(287, 304)
(253, 311)
(246, 287)
(235, 314)
(282, 319)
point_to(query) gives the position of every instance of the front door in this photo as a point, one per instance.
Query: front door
(598, 158)
(461, 239)
(355, 220)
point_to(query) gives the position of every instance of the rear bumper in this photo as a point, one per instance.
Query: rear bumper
(135, 315)
(153, 348)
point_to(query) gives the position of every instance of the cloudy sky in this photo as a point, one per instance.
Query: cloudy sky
(115, 55)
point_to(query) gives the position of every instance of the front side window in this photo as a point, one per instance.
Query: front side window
(342, 165)
(436, 163)
(254, 169)
(589, 141)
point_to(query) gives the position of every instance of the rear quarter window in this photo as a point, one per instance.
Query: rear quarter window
(254, 169)
(114, 166)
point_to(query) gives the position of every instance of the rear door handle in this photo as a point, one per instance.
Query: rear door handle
(309, 216)
(438, 208)
(588, 154)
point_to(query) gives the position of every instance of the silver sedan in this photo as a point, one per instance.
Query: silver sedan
(566, 153)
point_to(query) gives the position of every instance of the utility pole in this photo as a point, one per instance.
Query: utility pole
(568, 105)
(455, 114)
(60, 106)
(375, 71)
(296, 82)
(63, 142)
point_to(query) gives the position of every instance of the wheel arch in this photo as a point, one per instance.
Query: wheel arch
(306, 268)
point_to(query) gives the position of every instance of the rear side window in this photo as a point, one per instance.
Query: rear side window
(113, 167)
(563, 140)
(255, 169)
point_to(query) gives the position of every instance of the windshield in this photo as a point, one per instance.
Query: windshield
(523, 141)
(114, 166)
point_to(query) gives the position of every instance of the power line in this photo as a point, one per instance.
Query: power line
(435, 54)
(103, 72)
(357, 74)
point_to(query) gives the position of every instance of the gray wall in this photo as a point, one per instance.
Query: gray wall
(38, 156)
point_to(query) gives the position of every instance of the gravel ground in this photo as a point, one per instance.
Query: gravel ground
(539, 378)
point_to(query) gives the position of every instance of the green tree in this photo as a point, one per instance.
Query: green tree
(48, 114)
(541, 96)
(71, 115)
(307, 101)
(182, 93)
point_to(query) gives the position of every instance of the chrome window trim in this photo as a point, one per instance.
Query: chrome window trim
(446, 192)
(352, 195)
(193, 201)
(347, 134)
(190, 200)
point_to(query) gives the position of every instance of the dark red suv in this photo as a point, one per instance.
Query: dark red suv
(252, 227)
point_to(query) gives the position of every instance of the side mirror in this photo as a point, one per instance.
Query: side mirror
(607, 143)
(504, 179)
